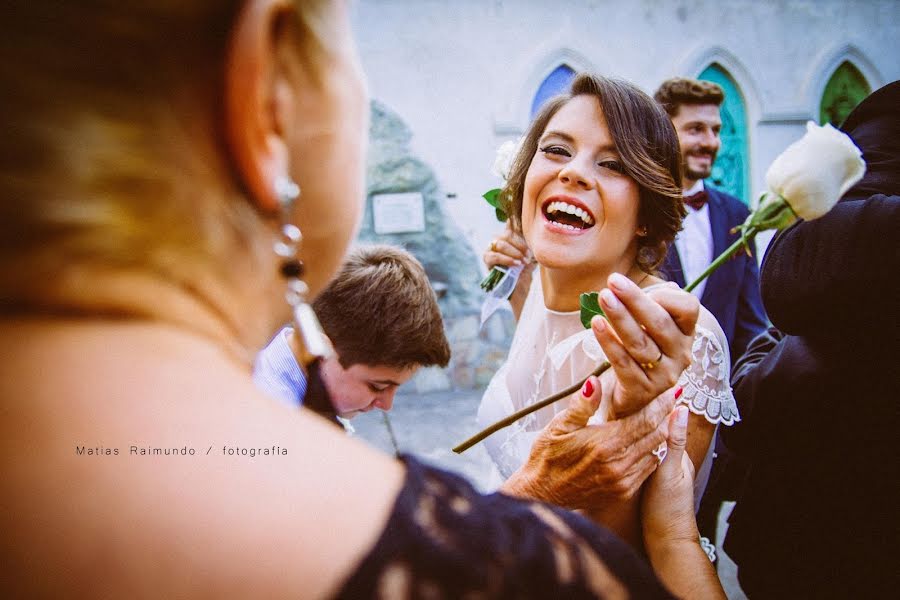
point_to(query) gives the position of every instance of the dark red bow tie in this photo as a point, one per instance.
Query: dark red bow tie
(696, 201)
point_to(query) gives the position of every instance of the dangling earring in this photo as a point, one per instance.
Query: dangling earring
(642, 231)
(647, 256)
(313, 341)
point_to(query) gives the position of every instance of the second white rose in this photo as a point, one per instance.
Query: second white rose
(816, 170)
(506, 153)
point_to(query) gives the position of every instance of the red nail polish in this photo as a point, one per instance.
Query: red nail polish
(678, 392)
(587, 390)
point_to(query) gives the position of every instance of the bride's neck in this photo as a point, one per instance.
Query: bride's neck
(562, 288)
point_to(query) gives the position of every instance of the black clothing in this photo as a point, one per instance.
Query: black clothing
(445, 540)
(317, 397)
(817, 516)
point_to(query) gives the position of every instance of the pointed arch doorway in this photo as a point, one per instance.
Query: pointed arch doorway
(731, 171)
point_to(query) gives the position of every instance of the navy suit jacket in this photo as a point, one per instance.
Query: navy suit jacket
(732, 292)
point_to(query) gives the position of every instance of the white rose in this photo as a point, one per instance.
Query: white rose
(816, 170)
(505, 155)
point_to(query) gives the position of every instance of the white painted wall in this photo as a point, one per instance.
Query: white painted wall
(462, 73)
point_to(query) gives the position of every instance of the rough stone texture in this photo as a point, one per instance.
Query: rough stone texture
(448, 259)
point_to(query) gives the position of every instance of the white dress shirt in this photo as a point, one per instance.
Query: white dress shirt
(694, 242)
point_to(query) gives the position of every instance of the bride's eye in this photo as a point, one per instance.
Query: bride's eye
(612, 165)
(558, 150)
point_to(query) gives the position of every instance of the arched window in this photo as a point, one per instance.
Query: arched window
(731, 170)
(555, 83)
(846, 88)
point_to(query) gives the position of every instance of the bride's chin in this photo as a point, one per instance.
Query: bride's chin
(553, 258)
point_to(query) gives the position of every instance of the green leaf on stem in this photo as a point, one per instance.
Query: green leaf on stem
(493, 198)
(590, 306)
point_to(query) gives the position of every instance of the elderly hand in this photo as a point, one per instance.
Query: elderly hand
(580, 466)
(647, 340)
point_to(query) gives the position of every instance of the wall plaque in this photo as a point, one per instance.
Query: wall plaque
(398, 213)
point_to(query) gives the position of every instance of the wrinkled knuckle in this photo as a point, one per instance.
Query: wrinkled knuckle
(647, 389)
(652, 417)
(605, 451)
(620, 455)
(620, 487)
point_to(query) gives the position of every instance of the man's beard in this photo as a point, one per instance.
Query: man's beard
(694, 175)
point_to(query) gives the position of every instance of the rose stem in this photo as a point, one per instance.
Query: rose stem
(526, 411)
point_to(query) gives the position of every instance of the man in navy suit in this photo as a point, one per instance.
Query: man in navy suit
(732, 292)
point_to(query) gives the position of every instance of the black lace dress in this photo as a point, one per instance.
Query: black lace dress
(445, 540)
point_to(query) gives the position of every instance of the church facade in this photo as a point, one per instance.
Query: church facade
(464, 76)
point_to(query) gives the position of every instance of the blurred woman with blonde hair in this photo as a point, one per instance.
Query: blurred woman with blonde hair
(159, 163)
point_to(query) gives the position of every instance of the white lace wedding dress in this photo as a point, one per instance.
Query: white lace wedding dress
(552, 350)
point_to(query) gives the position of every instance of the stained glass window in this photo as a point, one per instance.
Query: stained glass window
(846, 88)
(555, 83)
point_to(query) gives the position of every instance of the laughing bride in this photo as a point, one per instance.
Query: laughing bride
(594, 196)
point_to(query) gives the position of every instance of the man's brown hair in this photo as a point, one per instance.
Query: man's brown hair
(647, 145)
(380, 309)
(672, 93)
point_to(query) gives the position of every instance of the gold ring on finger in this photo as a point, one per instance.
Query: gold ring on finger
(649, 366)
(494, 246)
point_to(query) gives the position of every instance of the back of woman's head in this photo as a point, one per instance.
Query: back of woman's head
(112, 145)
(647, 145)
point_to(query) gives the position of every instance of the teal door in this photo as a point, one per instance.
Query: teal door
(731, 171)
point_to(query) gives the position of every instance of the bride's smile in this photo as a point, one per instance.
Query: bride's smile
(567, 214)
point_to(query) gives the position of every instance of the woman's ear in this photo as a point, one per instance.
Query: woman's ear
(257, 100)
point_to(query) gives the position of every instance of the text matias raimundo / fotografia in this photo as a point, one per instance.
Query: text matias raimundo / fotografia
(179, 451)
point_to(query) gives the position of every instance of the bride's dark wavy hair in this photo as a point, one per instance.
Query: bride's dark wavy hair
(647, 145)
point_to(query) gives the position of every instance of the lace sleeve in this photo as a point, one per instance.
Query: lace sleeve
(445, 540)
(705, 382)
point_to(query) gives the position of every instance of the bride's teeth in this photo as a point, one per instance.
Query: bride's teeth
(565, 207)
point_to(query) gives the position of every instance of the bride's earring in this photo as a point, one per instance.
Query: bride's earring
(313, 341)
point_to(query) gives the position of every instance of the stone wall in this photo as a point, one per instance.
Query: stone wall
(451, 264)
